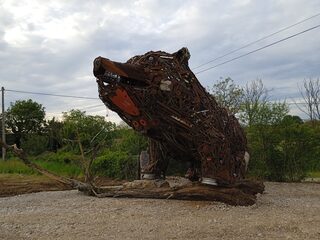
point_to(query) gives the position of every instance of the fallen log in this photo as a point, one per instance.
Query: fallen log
(237, 194)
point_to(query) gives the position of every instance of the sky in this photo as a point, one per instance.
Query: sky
(49, 46)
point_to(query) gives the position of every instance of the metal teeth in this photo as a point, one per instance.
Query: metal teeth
(109, 77)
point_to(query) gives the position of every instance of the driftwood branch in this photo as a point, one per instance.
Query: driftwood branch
(22, 155)
(242, 193)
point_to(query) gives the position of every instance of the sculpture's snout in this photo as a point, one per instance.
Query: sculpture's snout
(97, 69)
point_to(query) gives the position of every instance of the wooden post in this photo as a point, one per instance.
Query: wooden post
(3, 126)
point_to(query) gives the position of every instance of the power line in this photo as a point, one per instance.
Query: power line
(60, 95)
(260, 39)
(293, 103)
(258, 49)
(50, 94)
(92, 106)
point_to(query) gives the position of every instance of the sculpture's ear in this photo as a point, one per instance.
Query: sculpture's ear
(183, 55)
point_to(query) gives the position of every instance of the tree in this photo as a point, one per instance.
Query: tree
(24, 117)
(76, 124)
(310, 93)
(285, 151)
(87, 135)
(255, 98)
(262, 118)
(54, 131)
(121, 160)
(295, 148)
(263, 138)
(228, 94)
(282, 151)
(258, 109)
(128, 140)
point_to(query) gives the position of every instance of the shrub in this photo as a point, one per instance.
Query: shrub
(116, 164)
(60, 168)
(60, 156)
(284, 151)
(35, 144)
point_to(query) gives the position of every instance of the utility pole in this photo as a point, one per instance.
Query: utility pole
(3, 126)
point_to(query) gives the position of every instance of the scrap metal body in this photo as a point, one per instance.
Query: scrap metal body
(159, 96)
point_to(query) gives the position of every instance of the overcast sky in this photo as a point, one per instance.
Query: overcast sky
(49, 46)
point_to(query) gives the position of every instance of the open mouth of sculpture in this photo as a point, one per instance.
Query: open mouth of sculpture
(112, 78)
(118, 83)
(115, 73)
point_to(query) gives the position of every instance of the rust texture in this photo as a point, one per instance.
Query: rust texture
(159, 96)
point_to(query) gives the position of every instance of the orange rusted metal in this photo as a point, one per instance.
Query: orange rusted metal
(124, 102)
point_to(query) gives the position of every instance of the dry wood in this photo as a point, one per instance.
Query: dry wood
(242, 193)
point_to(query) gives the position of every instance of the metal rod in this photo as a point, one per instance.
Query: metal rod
(3, 126)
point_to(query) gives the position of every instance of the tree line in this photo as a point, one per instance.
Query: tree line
(282, 147)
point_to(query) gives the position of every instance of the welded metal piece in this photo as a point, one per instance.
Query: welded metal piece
(159, 96)
(148, 176)
(209, 181)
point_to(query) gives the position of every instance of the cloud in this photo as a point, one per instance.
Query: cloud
(49, 46)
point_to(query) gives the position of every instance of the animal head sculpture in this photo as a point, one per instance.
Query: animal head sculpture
(159, 96)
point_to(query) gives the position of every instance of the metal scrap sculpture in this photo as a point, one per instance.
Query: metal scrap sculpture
(159, 96)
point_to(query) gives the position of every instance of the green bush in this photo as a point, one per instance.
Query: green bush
(60, 168)
(314, 174)
(60, 156)
(116, 164)
(61, 163)
(127, 140)
(283, 152)
(34, 144)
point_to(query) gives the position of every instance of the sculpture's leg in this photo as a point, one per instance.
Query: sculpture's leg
(154, 162)
(223, 170)
(208, 171)
(241, 164)
(218, 165)
(193, 172)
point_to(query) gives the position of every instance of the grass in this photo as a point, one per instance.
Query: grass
(63, 169)
(315, 174)
(14, 166)
(63, 164)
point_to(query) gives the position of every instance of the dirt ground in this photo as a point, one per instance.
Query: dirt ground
(284, 211)
(13, 184)
(16, 184)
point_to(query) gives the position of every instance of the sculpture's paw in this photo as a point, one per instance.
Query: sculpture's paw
(192, 175)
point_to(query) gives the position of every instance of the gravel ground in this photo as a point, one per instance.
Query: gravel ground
(284, 211)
